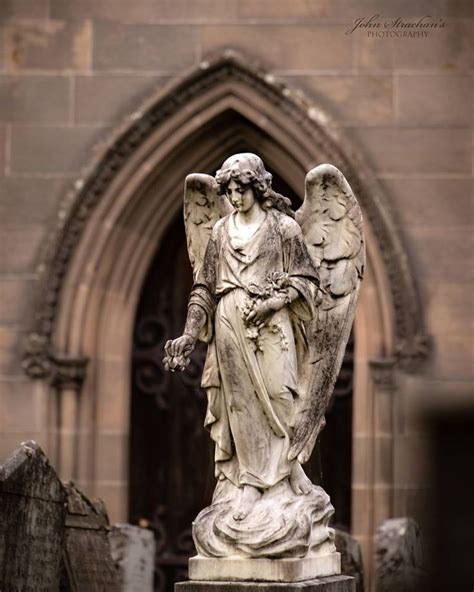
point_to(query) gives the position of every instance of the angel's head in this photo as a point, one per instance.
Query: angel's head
(248, 171)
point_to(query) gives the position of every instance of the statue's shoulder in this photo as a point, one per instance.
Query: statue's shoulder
(219, 226)
(287, 225)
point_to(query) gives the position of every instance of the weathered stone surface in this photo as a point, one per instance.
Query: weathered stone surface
(31, 522)
(29, 202)
(48, 45)
(15, 260)
(2, 141)
(88, 563)
(32, 146)
(453, 358)
(450, 253)
(267, 520)
(330, 584)
(143, 47)
(414, 201)
(302, 47)
(17, 294)
(133, 550)
(106, 98)
(25, 8)
(446, 50)
(352, 100)
(398, 556)
(451, 99)
(34, 99)
(265, 570)
(351, 558)
(437, 150)
(145, 11)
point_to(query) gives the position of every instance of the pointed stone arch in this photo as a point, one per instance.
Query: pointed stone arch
(111, 224)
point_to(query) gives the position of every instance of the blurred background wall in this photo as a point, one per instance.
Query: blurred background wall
(72, 71)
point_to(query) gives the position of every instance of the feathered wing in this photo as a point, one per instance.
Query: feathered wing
(202, 208)
(331, 222)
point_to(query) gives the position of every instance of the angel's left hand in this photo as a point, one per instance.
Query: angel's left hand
(262, 309)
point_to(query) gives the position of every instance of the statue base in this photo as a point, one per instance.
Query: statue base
(329, 584)
(264, 570)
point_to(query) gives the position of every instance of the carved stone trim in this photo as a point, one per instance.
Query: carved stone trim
(311, 123)
(69, 372)
(383, 373)
(63, 370)
(36, 357)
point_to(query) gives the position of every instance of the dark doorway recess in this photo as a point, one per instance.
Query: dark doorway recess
(171, 454)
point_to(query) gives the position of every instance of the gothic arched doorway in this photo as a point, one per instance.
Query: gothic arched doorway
(109, 228)
(171, 455)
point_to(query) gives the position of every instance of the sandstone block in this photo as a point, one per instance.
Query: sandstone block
(52, 149)
(106, 98)
(143, 47)
(34, 99)
(25, 9)
(402, 151)
(450, 99)
(145, 11)
(300, 48)
(48, 45)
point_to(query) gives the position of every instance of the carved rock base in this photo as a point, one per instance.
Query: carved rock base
(281, 524)
(265, 570)
(329, 584)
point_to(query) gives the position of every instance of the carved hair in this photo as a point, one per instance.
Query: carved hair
(248, 170)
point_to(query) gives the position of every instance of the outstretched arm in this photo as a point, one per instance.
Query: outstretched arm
(178, 350)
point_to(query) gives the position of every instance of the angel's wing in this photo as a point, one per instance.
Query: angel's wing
(331, 221)
(202, 208)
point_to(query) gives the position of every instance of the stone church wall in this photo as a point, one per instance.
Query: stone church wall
(71, 70)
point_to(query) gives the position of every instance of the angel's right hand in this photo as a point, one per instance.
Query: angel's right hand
(180, 346)
(178, 352)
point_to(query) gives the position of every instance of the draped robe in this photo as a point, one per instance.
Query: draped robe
(251, 373)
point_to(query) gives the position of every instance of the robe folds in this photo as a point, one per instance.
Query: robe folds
(251, 373)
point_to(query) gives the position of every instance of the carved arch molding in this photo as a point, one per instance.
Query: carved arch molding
(313, 136)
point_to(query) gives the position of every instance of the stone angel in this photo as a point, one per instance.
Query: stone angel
(273, 297)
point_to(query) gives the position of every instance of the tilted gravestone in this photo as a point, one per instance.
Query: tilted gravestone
(88, 564)
(133, 550)
(398, 556)
(32, 510)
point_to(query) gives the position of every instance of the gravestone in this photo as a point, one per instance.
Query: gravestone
(351, 558)
(133, 550)
(87, 561)
(31, 522)
(398, 556)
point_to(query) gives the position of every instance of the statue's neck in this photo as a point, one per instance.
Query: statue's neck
(252, 217)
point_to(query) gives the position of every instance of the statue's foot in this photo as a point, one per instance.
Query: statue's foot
(299, 482)
(248, 498)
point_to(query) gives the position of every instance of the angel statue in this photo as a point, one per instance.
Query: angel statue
(273, 297)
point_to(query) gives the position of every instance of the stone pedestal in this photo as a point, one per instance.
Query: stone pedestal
(264, 570)
(329, 584)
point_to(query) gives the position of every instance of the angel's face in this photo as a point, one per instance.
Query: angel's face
(241, 197)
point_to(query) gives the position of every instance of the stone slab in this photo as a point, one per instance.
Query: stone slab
(266, 570)
(32, 511)
(133, 550)
(87, 560)
(329, 584)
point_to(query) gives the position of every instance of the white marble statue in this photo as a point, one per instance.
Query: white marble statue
(273, 297)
